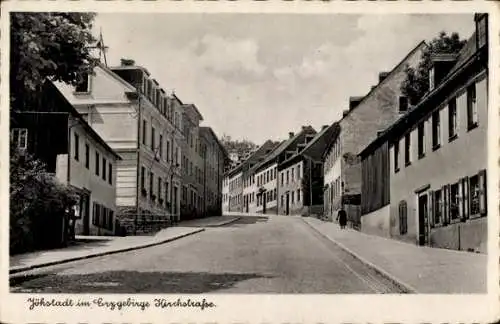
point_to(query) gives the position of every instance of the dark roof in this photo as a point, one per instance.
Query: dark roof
(274, 148)
(281, 148)
(466, 58)
(374, 88)
(72, 110)
(327, 134)
(267, 145)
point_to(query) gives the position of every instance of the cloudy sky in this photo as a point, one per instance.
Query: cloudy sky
(259, 76)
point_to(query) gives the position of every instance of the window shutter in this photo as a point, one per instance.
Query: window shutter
(431, 208)
(446, 201)
(460, 198)
(465, 201)
(482, 192)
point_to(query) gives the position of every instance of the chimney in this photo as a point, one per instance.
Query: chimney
(290, 134)
(382, 76)
(354, 101)
(345, 113)
(373, 87)
(379, 133)
(324, 127)
(304, 127)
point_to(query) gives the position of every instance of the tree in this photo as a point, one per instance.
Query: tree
(38, 204)
(240, 147)
(55, 45)
(416, 82)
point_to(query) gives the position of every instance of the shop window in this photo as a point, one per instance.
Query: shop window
(438, 209)
(454, 201)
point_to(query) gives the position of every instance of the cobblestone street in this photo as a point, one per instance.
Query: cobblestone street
(274, 254)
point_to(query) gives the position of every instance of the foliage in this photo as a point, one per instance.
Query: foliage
(37, 204)
(416, 82)
(240, 147)
(54, 45)
(127, 62)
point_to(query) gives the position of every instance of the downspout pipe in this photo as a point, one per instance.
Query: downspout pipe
(138, 175)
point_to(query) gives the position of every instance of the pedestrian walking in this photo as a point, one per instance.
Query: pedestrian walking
(342, 218)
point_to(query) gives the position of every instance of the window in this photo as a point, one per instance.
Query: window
(143, 176)
(293, 197)
(153, 144)
(144, 131)
(104, 168)
(436, 130)
(87, 155)
(274, 194)
(298, 171)
(168, 151)
(287, 176)
(454, 202)
(474, 195)
(20, 138)
(403, 218)
(161, 146)
(110, 173)
(403, 104)
(282, 178)
(282, 201)
(471, 107)
(293, 174)
(97, 160)
(151, 182)
(77, 146)
(407, 149)
(84, 84)
(438, 207)
(452, 118)
(298, 195)
(396, 156)
(421, 140)
(159, 189)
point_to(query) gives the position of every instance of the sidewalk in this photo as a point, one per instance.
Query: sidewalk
(419, 269)
(94, 246)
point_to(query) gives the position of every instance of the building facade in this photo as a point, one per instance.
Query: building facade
(301, 176)
(366, 117)
(437, 156)
(192, 164)
(266, 172)
(215, 159)
(54, 132)
(135, 116)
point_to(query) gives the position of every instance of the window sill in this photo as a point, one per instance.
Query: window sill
(81, 93)
(396, 170)
(407, 163)
(471, 126)
(436, 147)
(452, 138)
(421, 156)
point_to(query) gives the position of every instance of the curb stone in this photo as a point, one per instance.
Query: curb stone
(402, 285)
(89, 256)
(224, 223)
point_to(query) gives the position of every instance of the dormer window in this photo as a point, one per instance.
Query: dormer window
(84, 85)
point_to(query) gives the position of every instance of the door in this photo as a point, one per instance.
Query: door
(423, 219)
(85, 210)
(287, 206)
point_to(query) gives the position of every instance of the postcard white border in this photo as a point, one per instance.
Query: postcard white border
(273, 308)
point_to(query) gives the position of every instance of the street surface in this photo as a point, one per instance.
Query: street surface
(276, 254)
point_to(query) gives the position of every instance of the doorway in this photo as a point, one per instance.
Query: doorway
(287, 206)
(423, 219)
(85, 210)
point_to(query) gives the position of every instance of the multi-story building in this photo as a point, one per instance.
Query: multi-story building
(235, 195)
(192, 164)
(249, 184)
(266, 172)
(300, 179)
(366, 117)
(136, 117)
(424, 178)
(53, 131)
(225, 192)
(215, 159)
